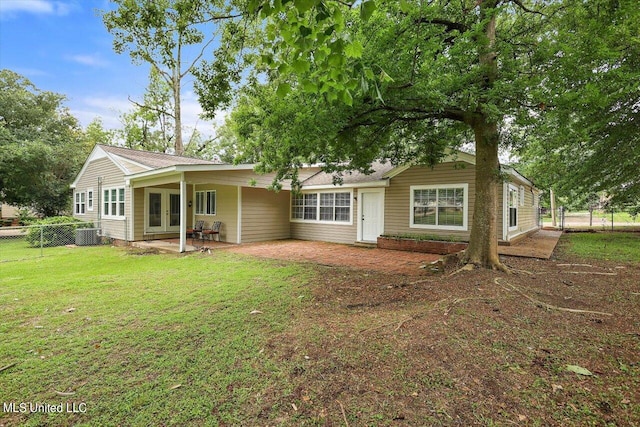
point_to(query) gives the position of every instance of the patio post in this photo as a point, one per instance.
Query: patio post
(183, 213)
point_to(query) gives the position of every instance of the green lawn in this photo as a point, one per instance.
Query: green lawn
(614, 246)
(138, 338)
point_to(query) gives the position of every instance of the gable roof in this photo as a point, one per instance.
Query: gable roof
(351, 178)
(151, 160)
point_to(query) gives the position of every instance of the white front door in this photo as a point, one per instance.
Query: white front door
(162, 210)
(371, 214)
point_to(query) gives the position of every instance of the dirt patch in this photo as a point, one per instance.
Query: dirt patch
(472, 348)
(336, 255)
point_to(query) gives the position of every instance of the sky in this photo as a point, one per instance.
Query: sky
(62, 46)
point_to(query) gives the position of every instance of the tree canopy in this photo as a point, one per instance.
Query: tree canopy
(42, 147)
(173, 37)
(402, 81)
(587, 139)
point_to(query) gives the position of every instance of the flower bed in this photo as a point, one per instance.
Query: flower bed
(419, 245)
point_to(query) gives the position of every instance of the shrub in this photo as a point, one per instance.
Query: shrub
(54, 231)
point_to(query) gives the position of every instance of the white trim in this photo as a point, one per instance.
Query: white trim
(370, 184)
(183, 214)
(133, 162)
(132, 215)
(505, 212)
(105, 215)
(512, 187)
(205, 203)
(465, 207)
(319, 221)
(165, 226)
(360, 211)
(239, 224)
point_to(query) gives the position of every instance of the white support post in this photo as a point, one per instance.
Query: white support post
(183, 214)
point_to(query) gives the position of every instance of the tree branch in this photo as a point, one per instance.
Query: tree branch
(525, 8)
(146, 107)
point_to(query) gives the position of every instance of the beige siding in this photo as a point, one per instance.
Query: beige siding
(398, 196)
(112, 176)
(265, 215)
(327, 232)
(242, 178)
(226, 210)
(527, 212)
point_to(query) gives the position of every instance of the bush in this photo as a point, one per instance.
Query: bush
(55, 231)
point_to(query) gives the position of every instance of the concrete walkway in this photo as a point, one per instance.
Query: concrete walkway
(539, 245)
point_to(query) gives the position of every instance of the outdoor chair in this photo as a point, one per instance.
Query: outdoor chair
(197, 229)
(211, 232)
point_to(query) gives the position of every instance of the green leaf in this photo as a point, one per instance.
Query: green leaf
(300, 66)
(304, 5)
(347, 98)
(309, 86)
(366, 9)
(385, 78)
(353, 50)
(405, 6)
(283, 90)
(579, 370)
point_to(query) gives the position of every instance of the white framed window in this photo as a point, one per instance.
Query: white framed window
(206, 202)
(334, 207)
(90, 199)
(113, 202)
(513, 200)
(440, 207)
(80, 203)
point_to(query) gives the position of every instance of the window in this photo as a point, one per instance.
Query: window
(206, 202)
(514, 200)
(90, 199)
(326, 207)
(439, 207)
(113, 202)
(80, 203)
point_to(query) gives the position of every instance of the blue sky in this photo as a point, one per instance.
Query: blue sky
(62, 46)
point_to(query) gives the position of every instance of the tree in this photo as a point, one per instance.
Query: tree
(41, 146)
(163, 33)
(589, 139)
(398, 80)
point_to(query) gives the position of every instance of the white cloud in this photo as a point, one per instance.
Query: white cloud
(90, 60)
(9, 8)
(109, 108)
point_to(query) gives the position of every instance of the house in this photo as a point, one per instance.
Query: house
(136, 195)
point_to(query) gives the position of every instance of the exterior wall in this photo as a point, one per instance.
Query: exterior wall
(527, 211)
(243, 178)
(265, 215)
(398, 197)
(9, 211)
(328, 232)
(226, 210)
(111, 176)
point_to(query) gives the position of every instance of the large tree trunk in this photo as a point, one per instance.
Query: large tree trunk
(483, 242)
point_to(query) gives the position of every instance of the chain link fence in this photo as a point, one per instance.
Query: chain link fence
(18, 243)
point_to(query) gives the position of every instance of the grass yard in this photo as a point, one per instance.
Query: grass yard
(615, 246)
(143, 339)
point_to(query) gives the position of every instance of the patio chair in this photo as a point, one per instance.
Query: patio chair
(197, 229)
(213, 231)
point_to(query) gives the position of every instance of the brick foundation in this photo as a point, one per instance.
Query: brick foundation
(425, 246)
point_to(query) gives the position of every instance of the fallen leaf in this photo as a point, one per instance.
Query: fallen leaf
(522, 417)
(578, 370)
(64, 393)
(556, 387)
(256, 312)
(293, 405)
(70, 310)
(625, 401)
(175, 386)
